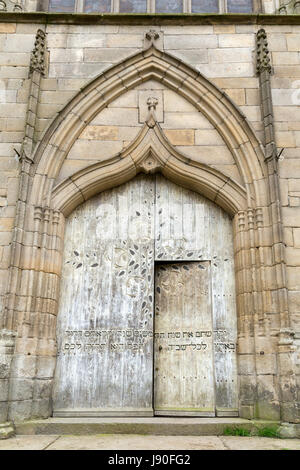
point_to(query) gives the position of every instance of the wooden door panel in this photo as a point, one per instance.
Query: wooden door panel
(184, 377)
(105, 322)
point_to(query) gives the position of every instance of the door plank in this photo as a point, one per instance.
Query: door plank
(105, 321)
(184, 378)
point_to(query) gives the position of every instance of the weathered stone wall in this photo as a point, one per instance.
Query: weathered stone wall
(224, 53)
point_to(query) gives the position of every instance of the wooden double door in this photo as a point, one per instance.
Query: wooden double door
(147, 320)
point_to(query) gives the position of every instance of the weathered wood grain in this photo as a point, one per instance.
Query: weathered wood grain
(105, 321)
(184, 378)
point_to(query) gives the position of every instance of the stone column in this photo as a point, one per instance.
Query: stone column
(16, 304)
(284, 368)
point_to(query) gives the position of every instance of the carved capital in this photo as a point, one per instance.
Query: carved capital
(262, 53)
(38, 55)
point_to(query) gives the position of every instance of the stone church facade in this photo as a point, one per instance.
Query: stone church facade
(150, 209)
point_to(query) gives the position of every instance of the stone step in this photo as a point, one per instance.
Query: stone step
(147, 426)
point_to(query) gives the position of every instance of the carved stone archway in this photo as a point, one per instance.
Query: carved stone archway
(35, 270)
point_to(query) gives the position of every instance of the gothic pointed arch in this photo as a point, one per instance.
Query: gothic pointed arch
(150, 152)
(152, 64)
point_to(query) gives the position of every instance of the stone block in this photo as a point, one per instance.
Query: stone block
(208, 137)
(209, 154)
(224, 29)
(232, 82)
(117, 117)
(181, 136)
(9, 110)
(237, 40)
(236, 54)
(277, 42)
(237, 96)
(110, 55)
(127, 134)
(100, 133)
(85, 40)
(94, 149)
(288, 58)
(184, 29)
(16, 59)
(290, 168)
(66, 55)
(246, 364)
(266, 364)
(67, 84)
(42, 389)
(226, 69)
(20, 410)
(127, 100)
(252, 97)
(21, 389)
(41, 408)
(293, 278)
(7, 28)
(293, 42)
(289, 71)
(19, 43)
(294, 201)
(45, 367)
(57, 40)
(175, 103)
(124, 40)
(296, 237)
(23, 366)
(6, 225)
(192, 56)
(181, 120)
(285, 139)
(55, 97)
(13, 72)
(200, 41)
(77, 69)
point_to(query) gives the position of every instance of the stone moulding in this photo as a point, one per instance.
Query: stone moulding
(152, 64)
(148, 153)
(149, 19)
(35, 269)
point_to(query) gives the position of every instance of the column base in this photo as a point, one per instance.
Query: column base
(289, 431)
(7, 430)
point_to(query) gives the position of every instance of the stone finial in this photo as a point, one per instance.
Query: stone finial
(152, 36)
(262, 51)
(38, 59)
(153, 39)
(152, 102)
